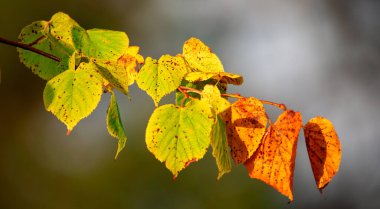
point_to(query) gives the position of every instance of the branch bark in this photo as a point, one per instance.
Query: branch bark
(29, 48)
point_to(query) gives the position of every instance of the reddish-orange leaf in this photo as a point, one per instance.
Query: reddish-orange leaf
(324, 150)
(245, 123)
(273, 162)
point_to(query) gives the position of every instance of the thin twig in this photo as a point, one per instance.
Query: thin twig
(188, 89)
(281, 106)
(29, 48)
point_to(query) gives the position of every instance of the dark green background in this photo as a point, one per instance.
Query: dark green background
(318, 57)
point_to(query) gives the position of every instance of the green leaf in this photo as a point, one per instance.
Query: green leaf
(58, 37)
(200, 57)
(222, 77)
(211, 95)
(115, 73)
(73, 94)
(220, 149)
(114, 124)
(180, 135)
(161, 78)
(106, 44)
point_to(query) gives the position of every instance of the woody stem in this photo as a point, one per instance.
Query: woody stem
(29, 48)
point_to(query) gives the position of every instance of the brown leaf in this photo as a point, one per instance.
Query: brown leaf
(273, 162)
(324, 150)
(246, 122)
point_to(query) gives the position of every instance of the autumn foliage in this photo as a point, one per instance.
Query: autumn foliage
(96, 62)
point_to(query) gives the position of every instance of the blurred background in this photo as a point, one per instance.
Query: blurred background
(317, 57)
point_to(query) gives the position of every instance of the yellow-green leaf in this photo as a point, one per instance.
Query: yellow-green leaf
(161, 78)
(73, 94)
(222, 77)
(180, 135)
(106, 44)
(115, 73)
(60, 36)
(220, 149)
(211, 95)
(200, 57)
(114, 125)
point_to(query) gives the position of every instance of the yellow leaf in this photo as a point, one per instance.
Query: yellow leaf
(324, 150)
(273, 162)
(246, 122)
(222, 77)
(129, 60)
(200, 57)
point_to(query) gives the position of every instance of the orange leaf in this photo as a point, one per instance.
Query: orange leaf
(324, 150)
(273, 162)
(246, 122)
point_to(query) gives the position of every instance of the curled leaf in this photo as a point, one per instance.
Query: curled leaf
(324, 150)
(222, 77)
(179, 135)
(129, 60)
(273, 162)
(220, 149)
(200, 57)
(246, 123)
(114, 125)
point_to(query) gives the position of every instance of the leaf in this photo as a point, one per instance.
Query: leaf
(161, 78)
(179, 135)
(200, 57)
(324, 150)
(58, 37)
(73, 94)
(114, 124)
(114, 72)
(223, 77)
(129, 60)
(273, 162)
(211, 95)
(106, 44)
(246, 122)
(220, 148)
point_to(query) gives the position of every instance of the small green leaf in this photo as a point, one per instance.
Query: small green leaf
(114, 124)
(180, 135)
(211, 95)
(161, 78)
(200, 57)
(73, 94)
(222, 77)
(58, 37)
(220, 149)
(106, 44)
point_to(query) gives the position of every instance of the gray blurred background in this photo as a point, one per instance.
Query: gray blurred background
(317, 57)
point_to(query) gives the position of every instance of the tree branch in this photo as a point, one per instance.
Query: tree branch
(29, 48)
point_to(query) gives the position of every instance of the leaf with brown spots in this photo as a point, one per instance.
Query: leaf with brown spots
(73, 94)
(200, 57)
(59, 37)
(129, 60)
(324, 150)
(180, 135)
(273, 162)
(246, 122)
(159, 78)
